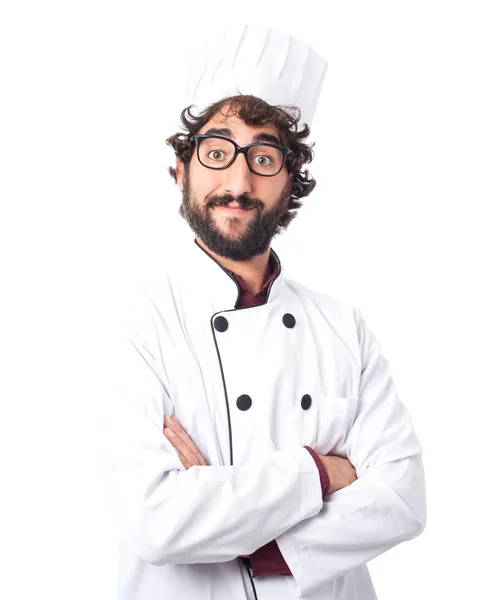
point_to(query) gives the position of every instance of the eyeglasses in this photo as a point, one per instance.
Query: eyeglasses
(216, 152)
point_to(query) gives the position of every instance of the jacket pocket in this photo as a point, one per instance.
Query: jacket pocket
(336, 417)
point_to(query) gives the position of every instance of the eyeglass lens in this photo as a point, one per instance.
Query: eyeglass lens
(263, 160)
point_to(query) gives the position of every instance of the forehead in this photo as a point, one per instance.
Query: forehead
(239, 130)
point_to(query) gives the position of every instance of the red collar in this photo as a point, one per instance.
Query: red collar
(246, 298)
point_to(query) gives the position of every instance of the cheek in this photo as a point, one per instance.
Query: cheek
(203, 181)
(271, 191)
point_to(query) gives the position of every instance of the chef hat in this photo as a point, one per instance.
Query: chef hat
(258, 61)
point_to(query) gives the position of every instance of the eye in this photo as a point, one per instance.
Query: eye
(263, 160)
(216, 155)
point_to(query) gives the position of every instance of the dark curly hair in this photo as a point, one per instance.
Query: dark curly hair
(254, 111)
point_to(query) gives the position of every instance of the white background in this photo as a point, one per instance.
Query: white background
(89, 92)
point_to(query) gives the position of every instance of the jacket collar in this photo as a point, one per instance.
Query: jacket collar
(206, 275)
(249, 299)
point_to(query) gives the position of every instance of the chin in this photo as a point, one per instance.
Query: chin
(230, 226)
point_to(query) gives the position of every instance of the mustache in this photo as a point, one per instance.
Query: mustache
(243, 201)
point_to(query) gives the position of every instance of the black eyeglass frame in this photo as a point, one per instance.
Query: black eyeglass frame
(239, 150)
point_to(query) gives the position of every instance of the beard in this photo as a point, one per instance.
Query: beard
(258, 232)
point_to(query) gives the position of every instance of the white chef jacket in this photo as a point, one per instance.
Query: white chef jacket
(235, 379)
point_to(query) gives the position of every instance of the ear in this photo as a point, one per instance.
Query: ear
(180, 173)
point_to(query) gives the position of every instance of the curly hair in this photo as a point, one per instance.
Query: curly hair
(254, 111)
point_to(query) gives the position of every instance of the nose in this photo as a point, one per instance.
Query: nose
(238, 177)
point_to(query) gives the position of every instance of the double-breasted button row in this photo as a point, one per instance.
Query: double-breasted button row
(244, 402)
(221, 323)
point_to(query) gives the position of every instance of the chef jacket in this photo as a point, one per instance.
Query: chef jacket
(252, 387)
(268, 559)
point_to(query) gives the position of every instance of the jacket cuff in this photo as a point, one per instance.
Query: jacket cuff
(323, 474)
(268, 560)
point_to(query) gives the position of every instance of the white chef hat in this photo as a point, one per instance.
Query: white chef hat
(258, 61)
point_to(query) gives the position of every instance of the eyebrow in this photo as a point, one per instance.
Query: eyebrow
(259, 137)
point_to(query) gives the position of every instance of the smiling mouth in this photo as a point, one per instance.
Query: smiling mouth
(235, 209)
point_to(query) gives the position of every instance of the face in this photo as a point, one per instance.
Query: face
(233, 211)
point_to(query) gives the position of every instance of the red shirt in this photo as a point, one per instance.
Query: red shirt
(268, 559)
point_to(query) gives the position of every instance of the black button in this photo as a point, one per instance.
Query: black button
(306, 402)
(244, 402)
(289, 321)
(221, 324)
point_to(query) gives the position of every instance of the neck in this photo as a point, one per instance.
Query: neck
(254, 271)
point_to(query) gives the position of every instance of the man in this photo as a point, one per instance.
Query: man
(256, 446)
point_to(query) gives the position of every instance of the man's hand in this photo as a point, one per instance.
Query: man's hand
(341, 472)
(187, 451)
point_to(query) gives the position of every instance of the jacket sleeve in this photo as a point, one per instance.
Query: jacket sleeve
(167, 514)
(268, 559)
(386, 505)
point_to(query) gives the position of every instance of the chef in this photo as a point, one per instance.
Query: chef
(253, 445)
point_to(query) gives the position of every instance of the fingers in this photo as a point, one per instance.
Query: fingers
(187, 450)
(184, 437)
(187, 457)
(183, 460)
(170, 435)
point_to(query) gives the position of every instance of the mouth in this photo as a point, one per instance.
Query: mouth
(233, 208)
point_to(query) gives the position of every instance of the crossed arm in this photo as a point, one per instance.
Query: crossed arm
(335, 473)
(202, 514)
